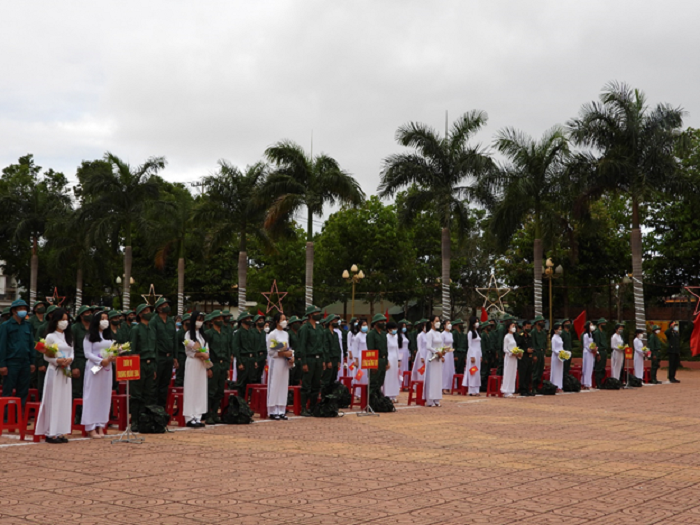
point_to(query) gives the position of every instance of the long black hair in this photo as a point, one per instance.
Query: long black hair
(55, 317)
(276, 320)
(390, 326)
(94, 330)
(472, 328)
(192, 332)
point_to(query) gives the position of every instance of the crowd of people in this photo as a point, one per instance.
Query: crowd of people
(207, 352)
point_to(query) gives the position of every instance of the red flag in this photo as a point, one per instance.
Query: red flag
(325, 314)
(260, 313)
(386, 314)
(579, 322)
(484, 315)
(359, 375)
(473, 370)
(695, 337)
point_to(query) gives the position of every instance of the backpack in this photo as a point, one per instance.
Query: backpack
(342, 393)
(611, 383)
(327, 407)
(380, 403)
(153, 420)
(634, 381)
(571, 384)
(548, 388)
(238, 411)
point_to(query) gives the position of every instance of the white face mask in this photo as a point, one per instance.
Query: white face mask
(199, 324)
(675, 328)
(656, 331)
(476, 325)
(640, 336)
(62, 325)
(267, 329)
(104, 325)
(283, 325)
(448, 327)
(512, 329)
(620, 331)
(437, 325)
(592, 328)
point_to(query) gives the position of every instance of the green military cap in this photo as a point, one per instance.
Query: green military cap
(565, 321)
(311, 309)
(421, 321)
(404, 321)
(6, 311)
(207, 318)
(457, 321)
(330, 319)
(94, 307)
(601, 321)
(51, 309)
(39, 303)
(557, 325)
(140, 308)
(353, 320)
(82, 310)
(216, 313)
(655, 327)
(113, 313)
(227, 313)
(378, 318)
(257, 318)
(161, 302)
(538, 319)
(305, 318)
(294, 319)
(244, 315)
(186, 317)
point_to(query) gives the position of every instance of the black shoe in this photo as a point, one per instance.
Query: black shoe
(283, 417)
(656, 382)
(63, 439)
(217, 420)
(200, 425)
(675, 381)
(53, 440)
(210, 421)
(306, 413)
(191, 424)
(273, 417)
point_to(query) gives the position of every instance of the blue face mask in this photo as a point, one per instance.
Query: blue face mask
(393, 332)
(22, 314)
(346, 327)
(403, 329)
(364, 329)
(178, 325)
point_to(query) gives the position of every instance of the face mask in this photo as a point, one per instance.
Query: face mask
(381, 325)
(558, 332)
(267, 329)
(219, 323)
(437, 325)
(620, 331)
(364, 329)
(476, 325)
(87, 318)
(640, 336)
(393, 332)
(355, 324)
(675, 328)
(512, 329)
(403, 330)
(334, 326)
(346, 327)
(317, 317)
(41, 310)
(283, 325)
(134, 322)
(178, 325)
(147, 316)
(165, 309)
(592, 328)
(448, 327)
(104, 324)
(62, 325)
(22, 314)
(656, 331)
(198, 324)
(259, 325)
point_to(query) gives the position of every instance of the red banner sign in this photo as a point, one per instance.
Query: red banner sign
(629, 353)
(370, 359)
(129, 368)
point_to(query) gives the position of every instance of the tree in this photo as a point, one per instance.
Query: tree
(117, 198)
(439, 168)
(299, 181)
(529, 184)
(28, 199)
(234, 205)
(632, 153)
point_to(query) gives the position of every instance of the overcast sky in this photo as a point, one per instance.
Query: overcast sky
(201, 81)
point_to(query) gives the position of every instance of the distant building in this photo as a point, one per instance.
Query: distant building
(8, 288)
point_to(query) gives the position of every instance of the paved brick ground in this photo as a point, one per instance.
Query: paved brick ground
(627, 457)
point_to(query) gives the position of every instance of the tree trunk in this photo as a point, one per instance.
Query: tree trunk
(638, 279)
(242, 275)
(446, 308)
(127, 278)
(79, 289)
(566, 298)
(309, 273)
(180, 285)
(538, 276)
(34, 276)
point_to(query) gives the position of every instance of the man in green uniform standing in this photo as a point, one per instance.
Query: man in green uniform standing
(539, 345)
(293, 331)
(525, 364)
(654, 346)
(38, 323)
(674, 351)
(180, 350)
(220, 355)
(166, 351)
(260, 348)
(332, 351)
(79, 330)
(245, 352)
(376, 340)
(412, 336)
(568, 343)
(311, 356)
(602, 341)
(459, 343)
(143, 344)
(16, 353)
(115, 321)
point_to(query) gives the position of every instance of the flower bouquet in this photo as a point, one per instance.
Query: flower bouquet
(49, 351)
(564, 355)
(115, 350)
(646, 352)
(441, 352)
(593, 348)
(517, 352)
(207, 362)
(64, 369)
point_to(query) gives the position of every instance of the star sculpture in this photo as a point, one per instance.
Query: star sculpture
(691, 292)
(152, 297)
(492, 290)
(55, 299)
(272, 305)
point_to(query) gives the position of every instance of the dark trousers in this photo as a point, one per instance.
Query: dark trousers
(525, 366)
(567, 367)
(77, 382)
(246, 376)
(330, 375)
(311, 381)
(460, 362)
(674, 361)
(261, 361)
(39, 375)
(655, 363)
(17, 379)
(143, 391)
(376, 378)
(164, 374)
(538, 369)
(485, 373)
(217, 385)
(180, 372)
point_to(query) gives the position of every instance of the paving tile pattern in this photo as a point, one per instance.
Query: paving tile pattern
(626, 457)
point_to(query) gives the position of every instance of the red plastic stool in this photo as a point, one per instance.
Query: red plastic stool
(406, 380)
(457, 378)
(363, 397)
(77, 402)
(117, 412)
(258, 400)
(33, 395)
(176, 399)
(575, 373)
(122, 388)
(493, 372)
(647, 375)
(249, 390)
(29, 408)
(347, 381)
(14, 412)
(493, 387)
(419, 393)
(297, 397)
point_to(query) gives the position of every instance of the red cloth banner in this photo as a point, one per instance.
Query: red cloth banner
(370, 359)
(129, 368)
(579, 322)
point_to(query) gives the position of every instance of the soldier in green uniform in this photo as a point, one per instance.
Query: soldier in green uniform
(539, 345)
(459, 343)
(260, 348)
(332, 351)
(568, 343)
(376, 340)
(674, 351)
(311, 356)
(244, 347)
(220, 355)
(602, 341)
(180, 350)
(412, 336)
(38, 322)
(166, 351)
(654, 346)
(293, 330)
(115, 321)
(525, 364)
(143, 344)
(79, 330)
(16, 353)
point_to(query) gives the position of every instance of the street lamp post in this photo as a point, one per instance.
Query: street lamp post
(357, 276)
(550, 272)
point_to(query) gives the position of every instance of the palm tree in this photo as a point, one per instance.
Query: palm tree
(439, 170)
(118, 198)
(302, 180)
(529, 185)
(234, 204)
(632, 154)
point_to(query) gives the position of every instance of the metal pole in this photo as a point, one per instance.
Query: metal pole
(352, 308)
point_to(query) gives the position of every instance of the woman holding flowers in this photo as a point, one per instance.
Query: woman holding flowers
(556, 366)
(617, 344)
(510, 360)
(472, 379)
(97, 382)
(448, 367)
(280, 359)
(54, 419)
(434, 358)
(359, 343)
(197, 370)
(419, 359)
(589, 351)
(639, 354)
